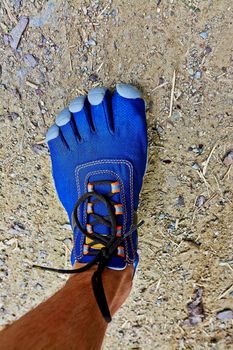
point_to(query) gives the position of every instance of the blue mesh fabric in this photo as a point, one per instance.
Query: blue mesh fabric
(115, 150)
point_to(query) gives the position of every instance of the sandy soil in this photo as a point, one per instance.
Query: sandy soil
(77, 45)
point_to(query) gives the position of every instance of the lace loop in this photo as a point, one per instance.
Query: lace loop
(110, 243)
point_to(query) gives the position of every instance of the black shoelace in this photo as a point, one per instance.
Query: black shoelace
(109, 242)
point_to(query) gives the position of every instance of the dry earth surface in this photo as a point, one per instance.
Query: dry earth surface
(180, 54)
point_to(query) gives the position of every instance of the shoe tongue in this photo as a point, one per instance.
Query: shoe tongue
(99, 208)
(110, 189)
(103, 188)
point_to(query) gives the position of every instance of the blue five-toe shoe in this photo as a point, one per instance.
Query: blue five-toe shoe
(98, 148)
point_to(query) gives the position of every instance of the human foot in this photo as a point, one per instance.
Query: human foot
(98, 150)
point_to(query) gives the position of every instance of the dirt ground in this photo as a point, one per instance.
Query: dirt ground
(180, 54)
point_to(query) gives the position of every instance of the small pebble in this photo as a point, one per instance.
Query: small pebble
(93, 78)
(17, 4)
(43, 254)
(180, 201)
(190, 71)
(172, 226)
(159, 129)
(38, 287)
(216, 234)
(23, 296)
(39, 149)
(45, 15)
(163, 216)
(18, 226)
(198, 75)
(161, 80)
(198, 149)
(68, 241)
(208, 49)
(176, 115)
(84, 10)
(13, 116)
(158, 302)
(228, 159)
(225, 315)
(204, 35)
(196, 309)
(3, 310)
(113, 13)
(10, 241)
(84, 58)
(31, 60)
(39, 92)
(6, 39)
(91, 42)
(200, 201)
(195, 166)
(13, 39)
(2, 246)
(167, 248)
(22, 73)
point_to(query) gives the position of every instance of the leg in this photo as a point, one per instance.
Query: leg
(98, 148)
(70, 319)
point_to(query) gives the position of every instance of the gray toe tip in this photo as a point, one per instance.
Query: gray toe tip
(52, 133)
(128, 91)
(96, 95)
(63, 117)
(77, 104)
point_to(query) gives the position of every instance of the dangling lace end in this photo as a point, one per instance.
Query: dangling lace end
(46, 268)
(69, 271)
(98, 289)
(100, 259)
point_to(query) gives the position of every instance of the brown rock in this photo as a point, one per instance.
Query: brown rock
(228, 159)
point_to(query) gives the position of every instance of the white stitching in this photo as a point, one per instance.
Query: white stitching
(115, 161)
(123, 197)
(117, 178)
